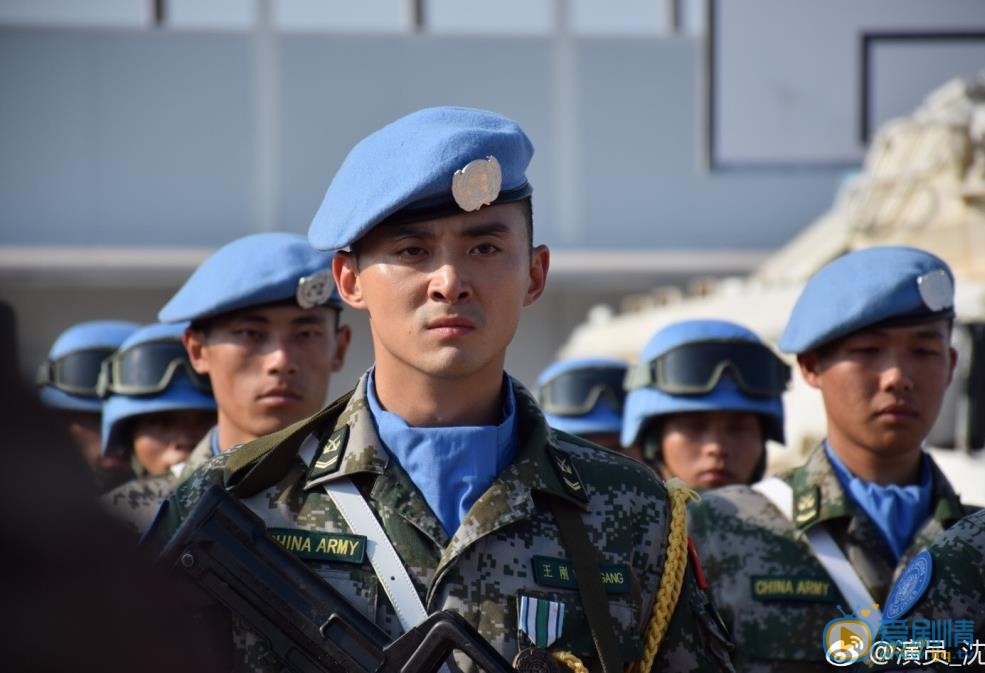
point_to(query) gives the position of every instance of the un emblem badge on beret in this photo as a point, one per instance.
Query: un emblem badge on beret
(936, 290)
(477, 184)
(314, 290)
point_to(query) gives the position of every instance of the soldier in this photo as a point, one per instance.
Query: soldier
(440, 460)
(157, 409)
(67, 382)
(584, 397)
(785, 557)
(703, 401)
(946, 583)
(264, 328)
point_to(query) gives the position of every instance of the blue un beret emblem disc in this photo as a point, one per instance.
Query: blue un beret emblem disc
(936, 290)
(314, 290)
(477, 184)
(910, 586)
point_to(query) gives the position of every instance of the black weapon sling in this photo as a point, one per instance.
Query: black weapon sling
(575, 538)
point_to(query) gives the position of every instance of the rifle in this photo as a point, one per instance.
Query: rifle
(225, 550)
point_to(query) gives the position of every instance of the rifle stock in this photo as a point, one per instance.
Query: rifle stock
(225, 550)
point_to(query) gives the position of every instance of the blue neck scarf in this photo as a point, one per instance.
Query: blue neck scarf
(897, 511)
(214, 441)
(452, 466)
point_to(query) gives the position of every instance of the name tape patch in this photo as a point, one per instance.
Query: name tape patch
(558, 573)
(785, 588)
(312, 546)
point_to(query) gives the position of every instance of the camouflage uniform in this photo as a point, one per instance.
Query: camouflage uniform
(136, 502)
(749, 550)
(480, 571)
(957, 587)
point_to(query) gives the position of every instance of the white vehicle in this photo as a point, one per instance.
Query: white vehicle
(922, 184)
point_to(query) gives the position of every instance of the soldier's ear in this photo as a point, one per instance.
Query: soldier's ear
(809, 364)
(345, 271)
(194, 341)
(540, 261)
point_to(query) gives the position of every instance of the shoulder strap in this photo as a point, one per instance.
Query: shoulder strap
(575, 538)
(825, 550)
(389, 569)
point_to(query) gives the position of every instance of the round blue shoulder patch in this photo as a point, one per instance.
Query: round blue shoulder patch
(910, 586)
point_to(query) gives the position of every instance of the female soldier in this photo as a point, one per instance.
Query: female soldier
(703, 401)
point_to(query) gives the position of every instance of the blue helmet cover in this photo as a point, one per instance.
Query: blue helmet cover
(80, 337)
(643, 404)
(180, 395)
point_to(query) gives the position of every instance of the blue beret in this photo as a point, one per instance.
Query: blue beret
(601, 418)
(180, 395)
(94, 334)
(884, 285)
(407, 170)
(645, 403)
(255, 270)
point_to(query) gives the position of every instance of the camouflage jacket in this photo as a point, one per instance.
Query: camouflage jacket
(957, 585)
(506, 547)
(200, 455)
(136, 502)
(773, 594)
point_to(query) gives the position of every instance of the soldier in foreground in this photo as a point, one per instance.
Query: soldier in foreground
(872, 332)
(264, 330)
(584, 397)
(436, 483)
(702, 402)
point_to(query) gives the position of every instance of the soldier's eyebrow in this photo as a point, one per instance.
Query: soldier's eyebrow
(251, 318)
(410, 230)
(309, 319)
(486, 229)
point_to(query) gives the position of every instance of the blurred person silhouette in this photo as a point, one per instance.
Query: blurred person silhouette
(584, 397)
(67, 381)
(703, 401)
(77, 595)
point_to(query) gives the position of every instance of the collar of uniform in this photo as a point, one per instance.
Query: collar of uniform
(817, 493)
(540, 461)
(264, 461)
(360, 451)
(947, 507)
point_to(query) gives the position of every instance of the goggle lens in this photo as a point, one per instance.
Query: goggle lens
(697, 368)
(148, 368)
(75, 373)
(576, 392)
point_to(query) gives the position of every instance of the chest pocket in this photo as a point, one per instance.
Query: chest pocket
(357, 584)
(782, 629)
(557, 621)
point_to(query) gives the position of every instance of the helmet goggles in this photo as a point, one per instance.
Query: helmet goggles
(148, 368)
(576, 392)
(696, 368)
(74, 373)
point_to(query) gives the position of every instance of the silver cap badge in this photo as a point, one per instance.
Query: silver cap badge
(314, 290)
(477, 184)
(936, 290)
